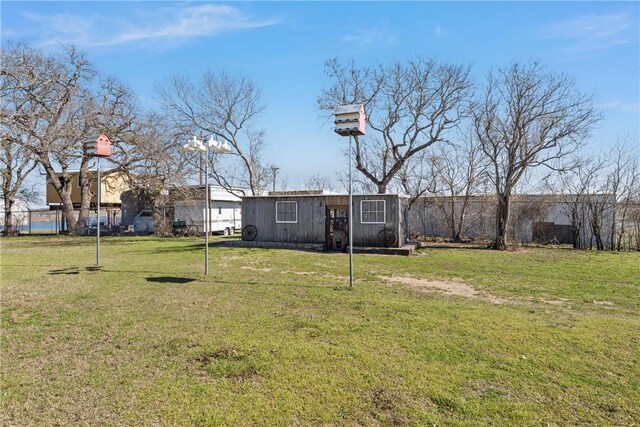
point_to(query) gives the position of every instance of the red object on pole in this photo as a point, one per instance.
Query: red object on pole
(98, 146)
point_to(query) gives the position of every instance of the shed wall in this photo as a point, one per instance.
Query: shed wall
(311, 227)
(261, 212)
(367, 234)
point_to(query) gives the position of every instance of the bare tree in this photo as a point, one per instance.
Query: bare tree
(599, 194)
(571, 186)
(458, 170)
(634, 220)
(153, 161)
(359, 183)
(417, 177)
(623, 181)
(526, 118)
(226, 107)
(319, 182)
(47, 87)
(409, 107)
(60, 108)
(110, 109)
(16, 162)
(598, 203)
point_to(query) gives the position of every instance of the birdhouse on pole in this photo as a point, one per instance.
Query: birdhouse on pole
(98, 146)
(350, 120)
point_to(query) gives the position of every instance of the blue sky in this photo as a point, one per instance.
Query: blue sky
(283, 46)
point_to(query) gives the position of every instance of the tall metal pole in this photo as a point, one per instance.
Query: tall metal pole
(275, 171)
(350, 221)
(98, 217)
(206, 214)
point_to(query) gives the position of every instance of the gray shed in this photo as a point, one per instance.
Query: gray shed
(322, 219)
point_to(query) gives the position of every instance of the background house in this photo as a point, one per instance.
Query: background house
(113, 184)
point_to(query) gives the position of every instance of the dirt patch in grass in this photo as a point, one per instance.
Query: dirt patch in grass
(448, 287)
(249, 267)
(451, 266)
(485, 389)
(609, 303)
(296, 272)
(559, 301)
(387, 407)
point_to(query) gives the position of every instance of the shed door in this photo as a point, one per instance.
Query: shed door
(337, 220)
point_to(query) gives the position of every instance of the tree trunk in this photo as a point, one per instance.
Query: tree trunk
(452, 218)
(159, 220)
(622, 226)
(502, 219)
(85, 196)
(62, 185)
(575, 235)
(597, 233)
(461, 219)
(612, 238)
(575, 228)
(459, 236)
(9, 226)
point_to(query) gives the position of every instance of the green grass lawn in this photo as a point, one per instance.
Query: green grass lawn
(274, 337)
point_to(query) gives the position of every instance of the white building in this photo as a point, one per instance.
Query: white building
(185, 209)
(225, 211)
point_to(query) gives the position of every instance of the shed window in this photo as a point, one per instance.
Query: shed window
(287, 212)
(372, 212)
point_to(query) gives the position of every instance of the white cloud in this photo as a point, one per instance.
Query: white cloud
(632, 107)
(592, 32)
(438, 31)
(159, 25)
(372, 37)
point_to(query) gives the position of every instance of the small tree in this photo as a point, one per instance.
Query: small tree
(16, 162)
(153, 161)
(319, 182)
(458, 171)
(409, 107)
(417, 177)
(572, 187)
(634, 221)
(624, 177)
(226, 107)
(525, 118)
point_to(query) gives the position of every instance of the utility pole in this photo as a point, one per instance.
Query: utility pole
(274, 170)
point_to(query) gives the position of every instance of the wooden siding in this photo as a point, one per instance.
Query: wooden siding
(261, 212)
(367, 234)
(310, 228)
